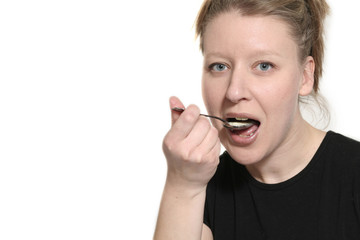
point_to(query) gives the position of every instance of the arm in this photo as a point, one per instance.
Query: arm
(192, 150)
(181, 214)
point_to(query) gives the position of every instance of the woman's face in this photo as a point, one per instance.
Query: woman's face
(252, 70)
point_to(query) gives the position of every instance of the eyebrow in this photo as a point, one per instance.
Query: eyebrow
(213, 54)
(255, 53)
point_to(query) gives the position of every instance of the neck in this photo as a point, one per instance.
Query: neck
(291, 157)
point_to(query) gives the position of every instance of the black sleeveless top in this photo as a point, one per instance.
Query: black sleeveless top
(321, 202)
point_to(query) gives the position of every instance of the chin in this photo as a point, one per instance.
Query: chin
(244, 155)
(244, 151)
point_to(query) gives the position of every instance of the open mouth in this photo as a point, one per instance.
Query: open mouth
(244, 127)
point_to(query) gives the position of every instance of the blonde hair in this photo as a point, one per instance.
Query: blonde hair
(304, 17)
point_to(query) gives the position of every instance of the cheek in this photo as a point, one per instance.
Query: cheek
(212, 102)
(212, 95)
(281, 98)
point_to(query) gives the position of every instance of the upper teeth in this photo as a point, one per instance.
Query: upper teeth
(241, 119)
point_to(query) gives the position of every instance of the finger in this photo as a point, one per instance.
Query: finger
(201, 152)
(185, 123)
(175, 102)
(198, 132)
(210, 141)
(213, 155)
(215, 151)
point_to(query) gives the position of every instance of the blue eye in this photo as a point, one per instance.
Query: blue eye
(218, 67)
(264, 66)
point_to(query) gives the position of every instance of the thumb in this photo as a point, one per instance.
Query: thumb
(175, 102)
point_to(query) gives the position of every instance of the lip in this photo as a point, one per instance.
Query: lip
(237, 138)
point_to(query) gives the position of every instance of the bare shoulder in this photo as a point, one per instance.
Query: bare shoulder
(206, 233)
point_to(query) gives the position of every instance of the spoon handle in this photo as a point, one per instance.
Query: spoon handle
(177, 109)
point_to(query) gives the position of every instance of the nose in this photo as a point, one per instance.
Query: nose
(239, 88)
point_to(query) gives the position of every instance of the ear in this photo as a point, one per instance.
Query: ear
(307, 83)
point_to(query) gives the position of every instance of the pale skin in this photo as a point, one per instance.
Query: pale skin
(252, 68)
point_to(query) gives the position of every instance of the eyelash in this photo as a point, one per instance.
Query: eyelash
(211, 66)
(264, 63)
(258, 64)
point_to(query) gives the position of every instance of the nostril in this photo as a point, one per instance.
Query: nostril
(238, 90)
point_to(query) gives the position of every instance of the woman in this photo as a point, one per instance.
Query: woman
(280, 178)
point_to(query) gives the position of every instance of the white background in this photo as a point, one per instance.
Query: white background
(84, 88)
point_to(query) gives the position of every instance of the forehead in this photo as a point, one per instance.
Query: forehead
(233, 33)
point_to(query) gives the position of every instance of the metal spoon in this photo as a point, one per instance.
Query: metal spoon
(229, 125)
